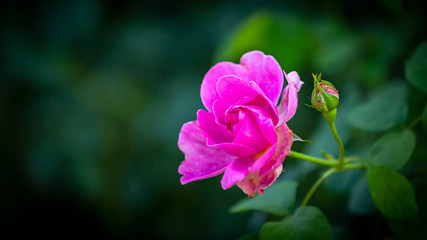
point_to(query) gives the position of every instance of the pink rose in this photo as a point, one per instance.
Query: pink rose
(242, 134)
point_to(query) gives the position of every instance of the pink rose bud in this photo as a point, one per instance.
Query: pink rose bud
(242, 133)
(324, 97)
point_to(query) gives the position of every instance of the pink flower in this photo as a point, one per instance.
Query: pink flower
(242, 134)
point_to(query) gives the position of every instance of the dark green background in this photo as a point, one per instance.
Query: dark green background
(93, 95)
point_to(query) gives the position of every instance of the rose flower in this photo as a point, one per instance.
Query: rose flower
(242, 134)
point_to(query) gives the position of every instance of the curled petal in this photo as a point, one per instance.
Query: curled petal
(232, 89)
(294, 78)
(235, 91)
(218, 135)
(250, 134)
(265, 159)
(266, 72)
(201, 161)
(255, 173)
(265, 170)
(235, 149)
(264, 123)
(215, 133)
(236, 171)
(219, 108)
(283, 148)
(262, 101)
(289, 102)
(241, 167)
(208, 91)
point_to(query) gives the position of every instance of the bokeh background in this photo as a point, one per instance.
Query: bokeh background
(93, 95)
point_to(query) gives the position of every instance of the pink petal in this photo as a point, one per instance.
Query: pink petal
(200, 161)
(264, 168)
(289, 103)
(265, 71)
(219, 108)
(237, 150)
(265, 103)
(283, 149)
(294, 78)
(264, 123)
(214, 133)
(236, 171)
(208, 92)
(253, 183)
(232, 89)
(268, 179)
(235, 91)
(217, 135)
(250, 134)
(263, 159)
(255, 66)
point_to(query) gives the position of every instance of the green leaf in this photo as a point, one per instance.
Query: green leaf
(392, 193)
(416, 68)
(393, 149)
(425, 117)
(383, 111)
(307, 223)
(276, 199)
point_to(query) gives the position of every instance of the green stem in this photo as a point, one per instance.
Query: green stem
(354, 167)
(351, 159)
(329, 163)
(340, 145)
(312, 159)
(316, 184)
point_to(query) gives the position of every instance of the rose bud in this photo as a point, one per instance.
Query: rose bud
(324, 97)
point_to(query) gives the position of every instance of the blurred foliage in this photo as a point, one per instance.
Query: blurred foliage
(276, 200)
(416, 68)
(93, 95)
(395, 147)
(372, 115)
